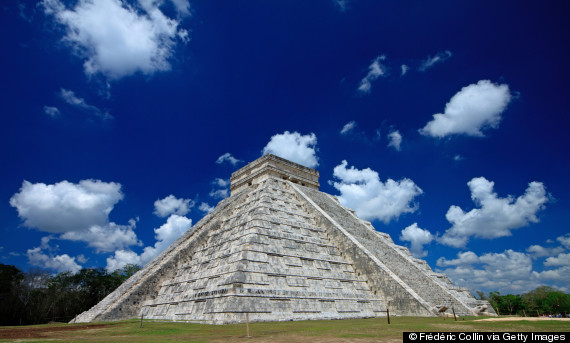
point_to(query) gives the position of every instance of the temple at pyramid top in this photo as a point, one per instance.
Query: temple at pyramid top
(271, 165)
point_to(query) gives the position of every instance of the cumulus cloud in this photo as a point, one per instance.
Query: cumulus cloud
(165, 235)
(560, 260)
(219, 193)
(78, 212)
(65, 206)
(39, 257)
(431, 61)
(539, 251)
(363, 191)
(496, 216)
(507, 272)
(205, 207)
(182, 6)
(117, 38)
(121, 258)
(227, 157)
(52, 111)
(559, 276)
(404, 69)
(172, 205)
(375, 70)
(106, 238)
(221, 188)
(59, 263)
(473, 109)
(294, 147)
(463, 258)
(564, 240)
(395, 140)
(348, 127)
(70, 98)
(418, 237)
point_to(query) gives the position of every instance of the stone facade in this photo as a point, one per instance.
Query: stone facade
(279, 249)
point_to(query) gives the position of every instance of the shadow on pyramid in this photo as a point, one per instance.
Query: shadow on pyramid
(279, 249)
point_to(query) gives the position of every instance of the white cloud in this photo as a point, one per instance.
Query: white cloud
(418, 238)
(472, 109)
(348, 127)
(375, 70)
(82, 259)
(294, 147)
(463, 258)
(59, 263)
(458, 158)
(121, 258)
(219, 193)
(496, 216)
(182, 6)
(404, 69)
(363, 191)
(430, 61)
(75, 101)
(117, 38)
(227, 157)
(221, 182)
(221, 188)
(564, 240)
(560, 260)
(395, 140)
(106, 238)
(172, 205)
(507, 272)
(165, 235)
(52, 111)
(78, 212)
(560, 275)
(206, 208)
(65, 206)
(540, 251)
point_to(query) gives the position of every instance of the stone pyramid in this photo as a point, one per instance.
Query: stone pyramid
(279, 249)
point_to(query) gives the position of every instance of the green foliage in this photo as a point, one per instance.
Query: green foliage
(38, 297)
(542, 300)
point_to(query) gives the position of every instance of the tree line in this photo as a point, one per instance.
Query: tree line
(543, 300)
(38, 297)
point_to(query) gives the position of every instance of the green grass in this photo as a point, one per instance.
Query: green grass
(357, 330)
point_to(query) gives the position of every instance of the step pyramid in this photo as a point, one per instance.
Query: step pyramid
(279, 249)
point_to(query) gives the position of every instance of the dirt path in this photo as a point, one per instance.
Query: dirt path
(510, 319)
(43, 332)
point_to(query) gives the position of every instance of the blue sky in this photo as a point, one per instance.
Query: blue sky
(444, 123)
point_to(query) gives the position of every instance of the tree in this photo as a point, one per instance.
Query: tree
(10, 278)
(38, 297)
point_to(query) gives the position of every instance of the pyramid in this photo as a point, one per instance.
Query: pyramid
(279, 249)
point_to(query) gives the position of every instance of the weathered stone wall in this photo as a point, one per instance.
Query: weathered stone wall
(270, 260)
(126, 301)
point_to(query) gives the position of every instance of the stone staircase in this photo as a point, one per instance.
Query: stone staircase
(439, 294)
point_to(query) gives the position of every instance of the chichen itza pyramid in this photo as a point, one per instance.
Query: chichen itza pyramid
(279, 249)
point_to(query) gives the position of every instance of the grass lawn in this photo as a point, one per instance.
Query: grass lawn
(351, 330)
